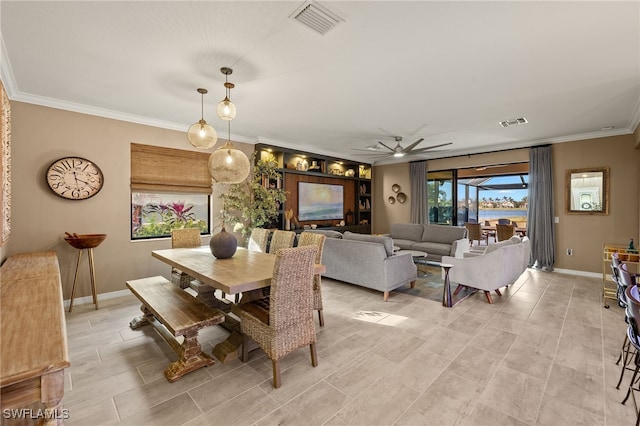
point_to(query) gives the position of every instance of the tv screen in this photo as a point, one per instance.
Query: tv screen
(320, 201)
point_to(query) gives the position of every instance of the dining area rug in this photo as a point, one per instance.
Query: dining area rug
(430, 285)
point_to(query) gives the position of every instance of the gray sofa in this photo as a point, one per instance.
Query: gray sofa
(435, 240)
(366, 260)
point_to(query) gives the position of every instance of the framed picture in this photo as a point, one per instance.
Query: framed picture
(5, 165)
(587, 191)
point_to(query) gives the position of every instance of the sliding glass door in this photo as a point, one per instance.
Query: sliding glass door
(440, 195)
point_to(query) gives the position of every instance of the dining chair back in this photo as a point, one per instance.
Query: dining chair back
(504, 221)
(317, 240)
(258, 240)
(472, 220)
(184, 238)
(504, 232)
(474, 232)
(627, 352)
(283, 322)
(633, 335)
(281, 240)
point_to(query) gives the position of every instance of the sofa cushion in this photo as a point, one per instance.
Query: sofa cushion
(492, 247)
(442, 233)
(326, 232)
(387, 242)
(406, 231)
(432, 249)
(403, 244)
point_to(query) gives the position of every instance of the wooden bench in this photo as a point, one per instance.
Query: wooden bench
(174, 312)
(33, 335)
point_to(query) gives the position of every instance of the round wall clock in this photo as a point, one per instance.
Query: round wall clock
(74, 178)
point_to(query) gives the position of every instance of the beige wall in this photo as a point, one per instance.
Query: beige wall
(41, 135)
(584, 234)
(384, 214)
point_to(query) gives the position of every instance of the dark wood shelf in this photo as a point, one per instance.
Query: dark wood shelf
(294, 166)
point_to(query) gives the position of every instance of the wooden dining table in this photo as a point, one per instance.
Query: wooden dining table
(492, 230)
(247, 272)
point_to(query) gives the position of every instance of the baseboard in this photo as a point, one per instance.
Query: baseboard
(103, 296)
(580, 273)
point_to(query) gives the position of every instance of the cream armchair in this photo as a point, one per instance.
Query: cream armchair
(489, 272)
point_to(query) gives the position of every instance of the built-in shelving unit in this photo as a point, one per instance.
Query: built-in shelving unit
(300, 166)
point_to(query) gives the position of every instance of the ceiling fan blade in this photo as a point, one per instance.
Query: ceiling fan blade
(413, 145)
(371, 150)
(417, 151)
(390, 149)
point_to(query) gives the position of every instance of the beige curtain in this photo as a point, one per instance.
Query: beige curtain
(419, 207)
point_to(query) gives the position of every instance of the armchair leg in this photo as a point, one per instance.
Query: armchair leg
(385, 296)
(498, 292)
(412, 284)
(314, 354)
(458, 289)
(488, 294)
(320, 317)
(276, 373)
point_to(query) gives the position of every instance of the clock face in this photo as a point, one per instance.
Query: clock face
(74, 178)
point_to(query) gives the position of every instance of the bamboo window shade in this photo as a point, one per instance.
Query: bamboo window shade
(159, 169)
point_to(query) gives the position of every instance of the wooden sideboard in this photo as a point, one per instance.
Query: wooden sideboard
(33, 336)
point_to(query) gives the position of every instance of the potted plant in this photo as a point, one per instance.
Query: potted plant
(255, 202)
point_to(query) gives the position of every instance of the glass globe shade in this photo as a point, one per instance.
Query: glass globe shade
(226, 109)
(201, 135)
(228, 165)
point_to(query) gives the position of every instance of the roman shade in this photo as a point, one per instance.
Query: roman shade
(159, 169)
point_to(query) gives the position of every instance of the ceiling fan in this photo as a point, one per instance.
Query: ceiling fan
(398, 150)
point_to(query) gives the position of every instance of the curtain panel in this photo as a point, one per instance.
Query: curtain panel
(418, 176)
(541, 230)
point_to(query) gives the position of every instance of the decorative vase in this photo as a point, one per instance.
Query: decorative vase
(223, 245)
(287, 225)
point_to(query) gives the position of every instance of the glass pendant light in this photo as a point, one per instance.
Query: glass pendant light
(228, 164)
(200, 134)
(226, 109)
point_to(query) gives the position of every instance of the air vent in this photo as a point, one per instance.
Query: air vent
(316, 17)
(513, 122)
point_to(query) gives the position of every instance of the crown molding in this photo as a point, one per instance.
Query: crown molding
(6, 72)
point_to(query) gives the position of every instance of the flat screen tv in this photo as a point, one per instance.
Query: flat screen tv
(320, 201)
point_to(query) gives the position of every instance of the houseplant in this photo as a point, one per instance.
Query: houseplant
(255, 202)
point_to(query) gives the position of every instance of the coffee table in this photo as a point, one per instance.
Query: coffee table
(419, 258)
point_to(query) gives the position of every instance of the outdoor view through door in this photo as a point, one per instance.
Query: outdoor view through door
(482, 194)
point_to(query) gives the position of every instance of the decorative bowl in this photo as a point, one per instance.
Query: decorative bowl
(85, 241)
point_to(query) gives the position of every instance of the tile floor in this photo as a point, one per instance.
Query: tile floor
(543, 354)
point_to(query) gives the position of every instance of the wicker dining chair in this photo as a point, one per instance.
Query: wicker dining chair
(474, 231)
(283, 322)
(184, 238)
(258, 240)
(317, 240)
(504, 232)
(280, 240)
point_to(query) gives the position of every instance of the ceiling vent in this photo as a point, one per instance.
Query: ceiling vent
(513, 122)
(318, 18)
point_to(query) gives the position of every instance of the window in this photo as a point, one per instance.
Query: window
(480, 194)
(154, 215)
(440, 197)
(170, 189)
